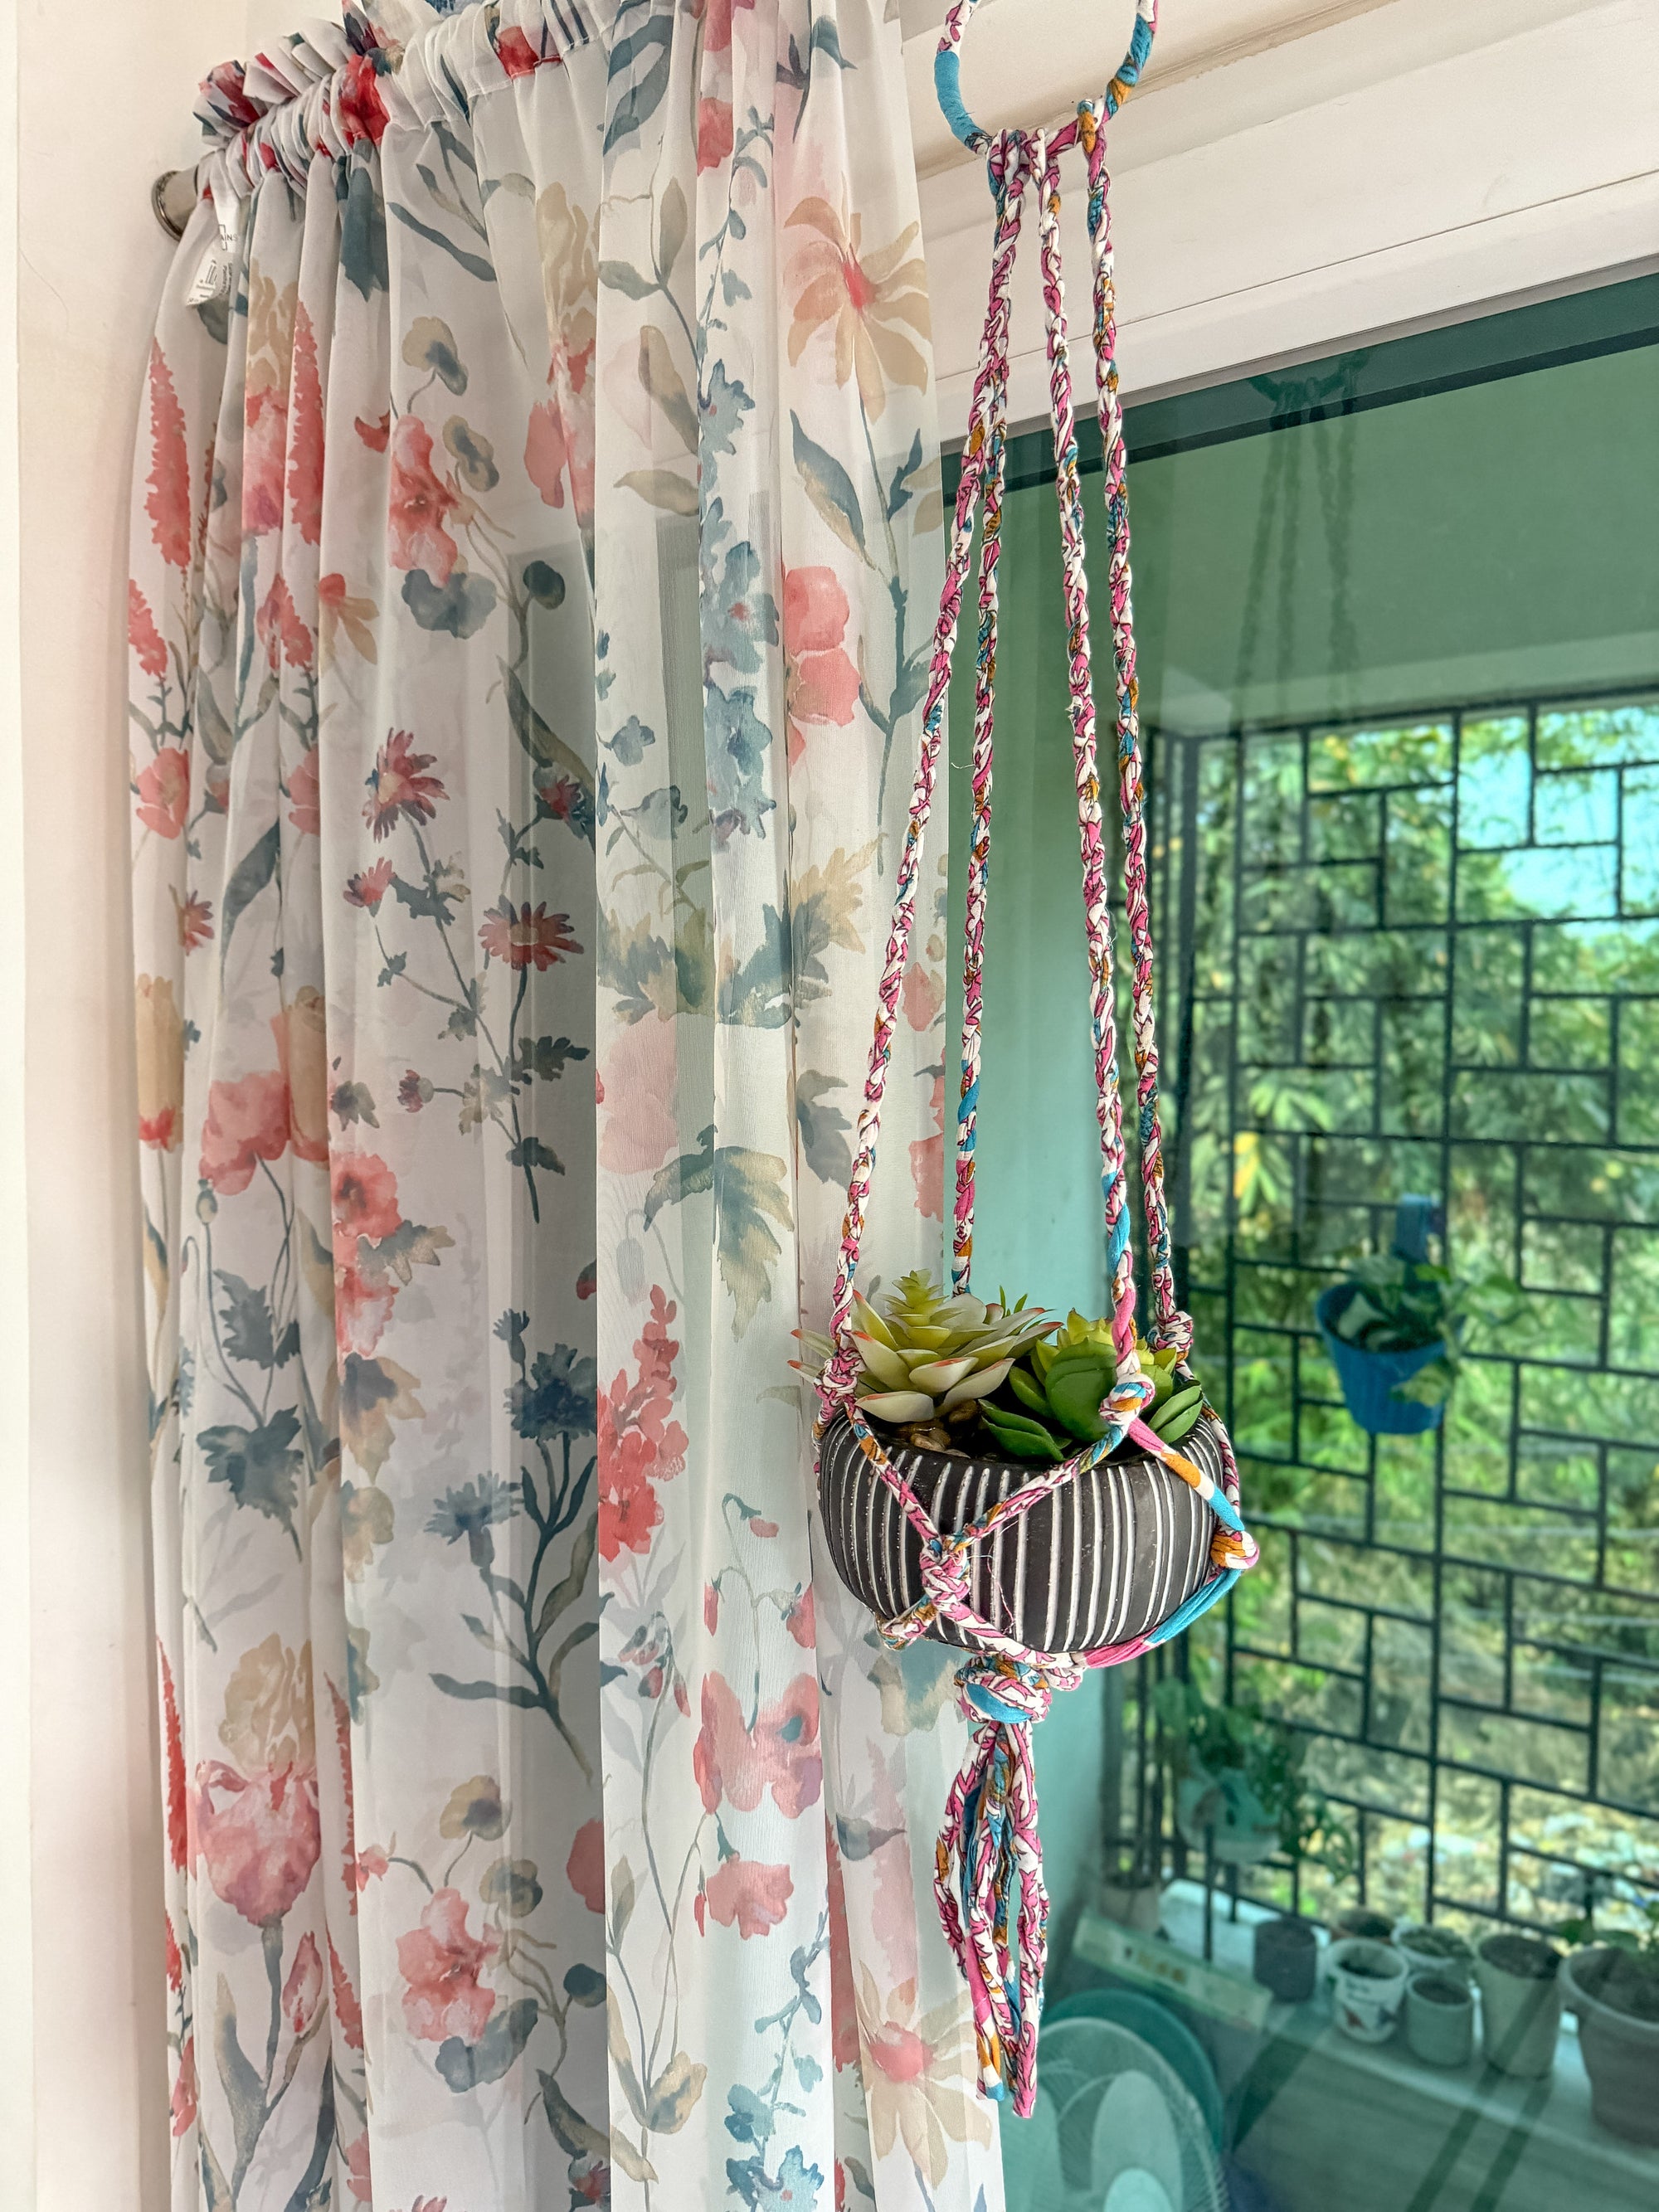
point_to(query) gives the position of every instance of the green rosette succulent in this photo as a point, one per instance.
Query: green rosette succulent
(926, 1361)
(1059, 1387)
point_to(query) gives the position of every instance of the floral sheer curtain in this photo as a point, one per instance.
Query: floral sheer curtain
(536, 537)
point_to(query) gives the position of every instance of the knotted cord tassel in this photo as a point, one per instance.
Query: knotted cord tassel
(993, 1902)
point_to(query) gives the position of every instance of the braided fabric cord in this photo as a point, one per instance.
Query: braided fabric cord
(988, 1874)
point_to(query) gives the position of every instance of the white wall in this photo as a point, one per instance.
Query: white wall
(104, 100)
(105, 104)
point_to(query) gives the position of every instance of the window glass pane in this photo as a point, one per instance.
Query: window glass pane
(1398, 617)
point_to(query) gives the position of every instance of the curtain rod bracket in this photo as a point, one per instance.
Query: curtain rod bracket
(172, 196)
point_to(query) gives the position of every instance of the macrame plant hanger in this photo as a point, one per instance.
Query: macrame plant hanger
(988, 1879)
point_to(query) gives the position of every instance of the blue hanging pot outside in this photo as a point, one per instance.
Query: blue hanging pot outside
(1371, 1380)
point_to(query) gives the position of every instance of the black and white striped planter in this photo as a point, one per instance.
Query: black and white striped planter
(1100, 1561)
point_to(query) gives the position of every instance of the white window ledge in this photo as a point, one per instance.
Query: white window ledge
(1330, 2121)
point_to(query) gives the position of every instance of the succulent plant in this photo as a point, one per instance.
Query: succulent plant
(927, 1360)
(1060, 1387)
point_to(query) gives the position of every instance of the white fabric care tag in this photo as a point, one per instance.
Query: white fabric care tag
(217, 273)
(212, 281)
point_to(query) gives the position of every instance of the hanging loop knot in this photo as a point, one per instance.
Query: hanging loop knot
(1009, 163)
(1128, 1399)
(947, 1575)
(1013, 1692)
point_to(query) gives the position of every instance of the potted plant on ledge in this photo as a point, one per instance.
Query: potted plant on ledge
(1614, 1987)
(1520, 2002)
(1395, 1327)
(1239, 1788)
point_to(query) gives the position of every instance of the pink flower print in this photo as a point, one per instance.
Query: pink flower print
(304, 799)
(279, 629)
(520, 937)
(371, 1864)
(143, 636)
(185, 2090)
(629, 1508)
(348, 2013)
(361, 1310)
(164, 792)
(745, 1894)
(258, 1835)
(398, 785)
(357, 102)
(714, 133)
(167, 502)
(370, 887)
(639, 1441)
(737, 1764)
(927, 1161)
(247, 1121)
(924, 995)
(194, 917)
(440, 1963)
(357, 2172)
(821, 685)
(418, 504)
(517, 56)
(639, 1127)
(717, 23)
(801, 1619)
(546, 451)
(264, 458)
(364, 1206)
(585, 1867)
(302, 1991)
(304, 465)
(178, 1809)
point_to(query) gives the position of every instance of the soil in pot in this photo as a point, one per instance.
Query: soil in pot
(1436, 1951)
(1520, 2003)
(1616, 1998)
(1284, 1959)
(1439, 2020)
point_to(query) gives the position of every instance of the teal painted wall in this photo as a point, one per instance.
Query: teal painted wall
(1475, 543)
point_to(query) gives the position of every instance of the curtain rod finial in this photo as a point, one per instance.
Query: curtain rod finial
(172, 196)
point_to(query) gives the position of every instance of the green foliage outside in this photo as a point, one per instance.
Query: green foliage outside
(1441, 951)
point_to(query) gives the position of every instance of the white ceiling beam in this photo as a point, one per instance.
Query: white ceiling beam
(1407, 165)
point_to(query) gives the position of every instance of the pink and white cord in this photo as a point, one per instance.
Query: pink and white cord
(988, 1878)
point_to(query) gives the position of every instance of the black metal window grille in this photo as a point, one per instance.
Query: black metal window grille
(1421, 953)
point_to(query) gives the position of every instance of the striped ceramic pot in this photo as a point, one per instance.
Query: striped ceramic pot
(1098, 1562)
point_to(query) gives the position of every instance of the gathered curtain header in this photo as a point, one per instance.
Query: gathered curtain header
(333, 85)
